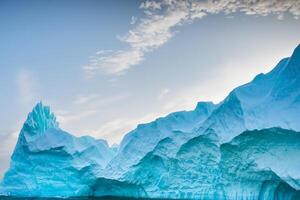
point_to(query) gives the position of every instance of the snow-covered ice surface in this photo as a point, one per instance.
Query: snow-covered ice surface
(226, 151)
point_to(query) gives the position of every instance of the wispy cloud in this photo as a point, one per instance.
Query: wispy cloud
(160, 18)
(87, 106)
(83, 99)
(66, 117)
(8, 140)
(133, 20)
(112, 131)
(97, 100)
(113, 62)
(163, 93)
(26, 87)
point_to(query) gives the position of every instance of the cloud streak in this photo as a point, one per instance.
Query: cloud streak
(27, 87)
(87, 106)
(160, 18)
(112, 131)
(8, 141)
(163, 93)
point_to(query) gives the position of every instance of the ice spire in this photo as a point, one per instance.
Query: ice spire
(38, 121)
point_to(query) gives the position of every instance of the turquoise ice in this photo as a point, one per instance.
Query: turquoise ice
(246, 147)
(48, 161)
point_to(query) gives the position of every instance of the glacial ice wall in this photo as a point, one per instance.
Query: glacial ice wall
(254, 165)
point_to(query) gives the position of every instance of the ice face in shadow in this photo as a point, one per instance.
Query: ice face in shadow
(50, 162)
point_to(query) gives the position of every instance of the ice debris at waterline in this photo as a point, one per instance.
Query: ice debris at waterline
(246, 147)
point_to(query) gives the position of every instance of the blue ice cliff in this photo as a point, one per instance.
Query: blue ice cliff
(245, 147)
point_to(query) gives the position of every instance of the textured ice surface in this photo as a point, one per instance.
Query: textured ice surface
(270, 100)
(254, 165)
(146, 136)
(224, 151)
(50, 162)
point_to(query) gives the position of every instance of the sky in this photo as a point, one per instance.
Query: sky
(105, 66)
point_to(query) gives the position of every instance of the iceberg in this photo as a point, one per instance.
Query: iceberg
(245, 147)
(48, 161)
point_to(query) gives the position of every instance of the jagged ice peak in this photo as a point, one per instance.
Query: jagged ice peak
(39, 120)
